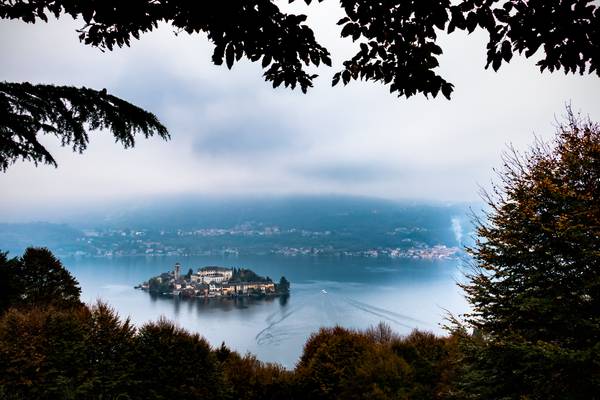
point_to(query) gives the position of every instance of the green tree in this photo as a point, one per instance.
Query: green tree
(283, 286)
(37, 278)
(398, 42)
(432, 360)
(535, 290)
(44, 280)
(157, 285)
(9, 286)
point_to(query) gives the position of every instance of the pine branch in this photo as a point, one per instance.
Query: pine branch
(68, 113)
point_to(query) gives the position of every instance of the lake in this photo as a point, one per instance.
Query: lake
(351, 292)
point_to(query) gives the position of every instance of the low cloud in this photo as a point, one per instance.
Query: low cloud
(250, 137)
(345, 172)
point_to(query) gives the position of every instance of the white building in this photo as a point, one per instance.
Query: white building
(213, 271)
(214, 278)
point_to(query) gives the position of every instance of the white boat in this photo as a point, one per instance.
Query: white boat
(324, 291)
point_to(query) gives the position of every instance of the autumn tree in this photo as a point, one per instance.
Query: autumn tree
(249, 378)
(50, 353)
(397, 47)
(535, 290)
(173, 363)
(338, 363)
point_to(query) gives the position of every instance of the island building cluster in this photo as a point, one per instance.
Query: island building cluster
(214, 281)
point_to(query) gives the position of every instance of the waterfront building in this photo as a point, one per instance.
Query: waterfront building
(214, 278)
(225, 272)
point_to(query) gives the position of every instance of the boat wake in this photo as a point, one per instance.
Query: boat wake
(324, 308)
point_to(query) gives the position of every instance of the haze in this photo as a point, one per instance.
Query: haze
(234, 135)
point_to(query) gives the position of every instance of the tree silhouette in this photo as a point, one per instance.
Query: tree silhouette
(66, 112)
(397, 37)
(9, 285)
(535, 292)
(284, 285)
(37, 279)
(397, 41)
(173, 363)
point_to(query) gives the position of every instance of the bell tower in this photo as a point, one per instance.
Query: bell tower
(177, 271)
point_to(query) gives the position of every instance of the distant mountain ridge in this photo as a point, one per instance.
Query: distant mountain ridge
(341, 222)
(304, 212)
(17, 237)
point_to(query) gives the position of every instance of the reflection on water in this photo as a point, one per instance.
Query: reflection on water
(355, 293)
(218, 303)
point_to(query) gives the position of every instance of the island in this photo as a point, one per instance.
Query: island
(215, 281)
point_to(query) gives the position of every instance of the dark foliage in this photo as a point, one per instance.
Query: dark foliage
(433, 361)
(397, 44)
(283, 286)
(52, 353)
(9, 287)
(248, 378)
(247, 275)
(172, 363)
(158, 286)
(535, 292)
(34, 279)
(339, 363)
(398, 38)
(68, 113)
(257, 29)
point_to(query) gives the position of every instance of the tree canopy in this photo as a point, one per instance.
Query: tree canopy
(397, 37)
(398, 47)
(535, 292)
(36, 278)
(67, 113)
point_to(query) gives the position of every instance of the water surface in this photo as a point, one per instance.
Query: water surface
(351, 292)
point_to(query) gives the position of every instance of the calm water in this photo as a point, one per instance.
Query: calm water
(351, 292)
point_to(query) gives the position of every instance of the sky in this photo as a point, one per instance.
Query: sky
(233, 134)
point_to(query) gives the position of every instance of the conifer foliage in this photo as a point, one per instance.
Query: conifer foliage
(535, 291)
(68, 113)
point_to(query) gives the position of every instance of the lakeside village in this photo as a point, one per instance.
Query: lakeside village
(258, 241)
(215, 281)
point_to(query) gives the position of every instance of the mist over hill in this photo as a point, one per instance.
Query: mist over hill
(254, 225)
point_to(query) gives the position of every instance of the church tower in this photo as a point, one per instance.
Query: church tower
(177, 271)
